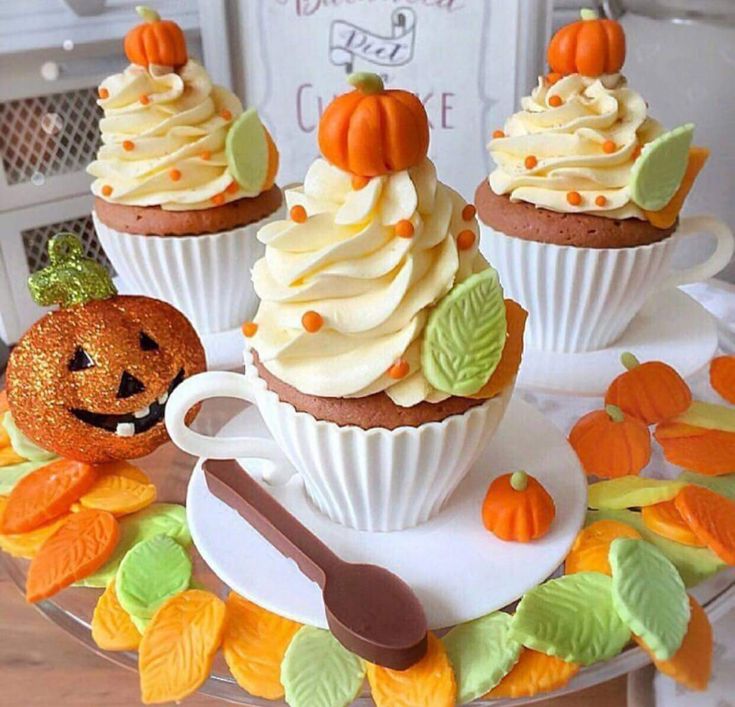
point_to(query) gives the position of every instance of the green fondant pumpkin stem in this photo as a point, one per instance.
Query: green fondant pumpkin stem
(70, 278)
(629, 360)
(519, 480)
(147, 13)
(366, 82)
(615, 413)
(587, 14)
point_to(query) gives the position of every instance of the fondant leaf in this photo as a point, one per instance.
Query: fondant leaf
(112, 629)
(11, 475)
(317, 671)
(724, 485)
(22, 445)
(118, 494)
(534, 673)
(631, 491)
(649, 595)
(481, 653)
(571, 618)
(465, 334)
(28, 544)
(177, 649)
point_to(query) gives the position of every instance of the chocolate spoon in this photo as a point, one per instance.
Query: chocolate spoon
(370, 611)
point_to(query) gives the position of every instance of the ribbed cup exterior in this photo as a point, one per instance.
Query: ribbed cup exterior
(207, 277)
(578, 299)
(378, 479)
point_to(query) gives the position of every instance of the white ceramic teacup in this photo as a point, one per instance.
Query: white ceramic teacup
(583, 299)
(375, 480)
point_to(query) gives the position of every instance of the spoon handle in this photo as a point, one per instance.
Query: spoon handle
(234, 486)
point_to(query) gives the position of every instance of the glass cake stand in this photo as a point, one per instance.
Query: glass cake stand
(170, 468)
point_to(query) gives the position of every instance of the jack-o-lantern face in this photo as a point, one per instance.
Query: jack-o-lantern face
(90, 382)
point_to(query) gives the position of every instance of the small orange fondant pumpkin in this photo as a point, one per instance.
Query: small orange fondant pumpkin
(722, 377)
(90, 380)
(591, 46)
(156, 41)
(517, 507)
(372, 131)
(651, 391)
(610, 443)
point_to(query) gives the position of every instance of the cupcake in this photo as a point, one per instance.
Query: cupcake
(579, 212)
(183, 180)
(383, 349)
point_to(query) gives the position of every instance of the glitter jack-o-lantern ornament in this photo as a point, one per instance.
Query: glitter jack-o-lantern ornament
(90, 380)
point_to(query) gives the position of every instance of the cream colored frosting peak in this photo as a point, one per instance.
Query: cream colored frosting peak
(163, 139)
(372, 287)
(585, 134)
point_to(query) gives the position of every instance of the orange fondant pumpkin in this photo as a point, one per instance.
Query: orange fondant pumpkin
(722, 377)
(90, 380)
(517, 507)
(372, 131)
(155, 41)
(590, 46)
(651, 391)
(610, 443)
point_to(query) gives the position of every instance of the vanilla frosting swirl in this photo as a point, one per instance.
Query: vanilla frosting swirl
(568, 141)
(163, 139)
(372, 287)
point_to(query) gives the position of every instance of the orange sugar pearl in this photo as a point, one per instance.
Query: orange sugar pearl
(298, 213)
(103, 93)
(498, 134)
(175, 175)
(249, 329)
(399, 369)
(530, 161)
(555, 101)
(468, 212)
(574, 198)
(106, 190)
(553, 77)
(359, 182)
(144, 99)
(218, 199)
(232, 187)
(465, 240)
(600, 200)
(128, 145)
(404, 229)
(312, 321)
(609, 147)
(206, 155)
(226, 114)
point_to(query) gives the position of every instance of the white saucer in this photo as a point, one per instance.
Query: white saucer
(459, 570)
(672, 327)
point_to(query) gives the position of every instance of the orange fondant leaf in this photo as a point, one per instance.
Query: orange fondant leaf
(534, 673)
(666, 217)
(118, 494)
(591, 547)
(254, 643)
(429, 683)
(691, 665)
(46, 494)
(722, 377)
(28, 544)
(698, 449)
(176, 653)
(123, 468)
(711, 517)
(510, 360)
(79, 547)
(665, 520)
(112, 629)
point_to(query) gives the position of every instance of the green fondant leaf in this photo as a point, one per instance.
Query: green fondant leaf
(246, 149)
(724, 485)
(695, 564)
(10, 475)
(571, 618)
(649, 595)
(23, 446)
(465, 335)
(140, 624)
(153, 571)
(317, 671)
(631, 491)
(482, 653)
(658, 172)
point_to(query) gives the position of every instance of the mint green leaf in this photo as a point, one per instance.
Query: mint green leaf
(631, 491)
(246, 150)
(317, 671)
(465, 335)
(23, 446)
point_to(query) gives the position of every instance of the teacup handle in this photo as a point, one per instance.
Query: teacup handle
(692, 225)
(215, 384)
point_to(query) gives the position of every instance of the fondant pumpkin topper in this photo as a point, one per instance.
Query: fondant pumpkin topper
(90, 380)
(155, 41)
(372, 130)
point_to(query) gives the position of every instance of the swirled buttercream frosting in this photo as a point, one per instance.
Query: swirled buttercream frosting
(372, 287)
(580, 134)
(163, 139)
